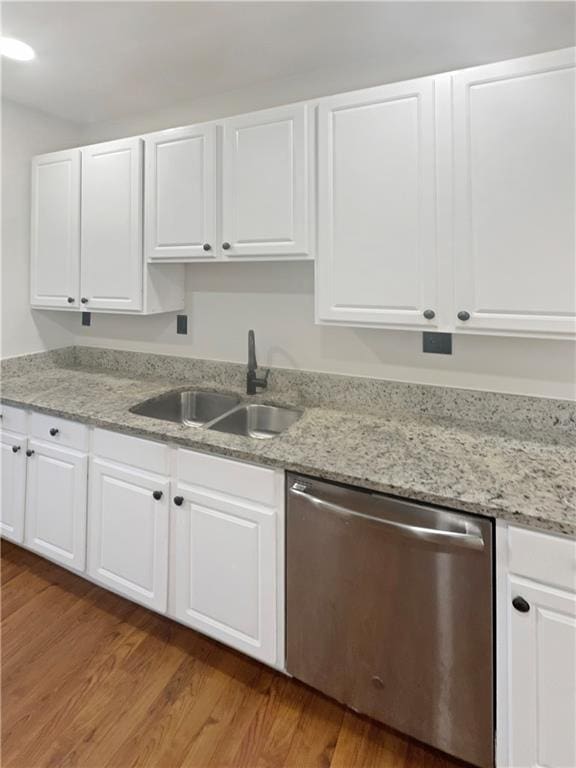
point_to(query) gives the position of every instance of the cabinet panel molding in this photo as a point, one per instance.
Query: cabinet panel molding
(55, 230)
(377, 262)
(265, 184)
(180, 190)
(225, 578)
(111, 243)
(13, 484)
(56, 503)
(514, 196)
(128, 532)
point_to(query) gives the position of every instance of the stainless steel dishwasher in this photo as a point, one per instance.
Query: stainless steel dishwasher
(389, 610)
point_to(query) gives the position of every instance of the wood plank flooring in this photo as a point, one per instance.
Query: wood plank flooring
(93, 681)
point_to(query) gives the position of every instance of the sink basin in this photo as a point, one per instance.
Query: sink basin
(261, 421)
(192, 407)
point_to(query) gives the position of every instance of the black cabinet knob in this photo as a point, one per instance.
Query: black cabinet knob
(178, 500)
(521, 605)
(157, 495)
(463, 315)
(15, 448)
(84, 300)
(207, 247)
(70, 300)
(54, 431)
(226, 246)
(29, 452)
(429, 314)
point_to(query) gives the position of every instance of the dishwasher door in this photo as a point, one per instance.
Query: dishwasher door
(389, 610)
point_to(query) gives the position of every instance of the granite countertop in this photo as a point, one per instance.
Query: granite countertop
(523, 478)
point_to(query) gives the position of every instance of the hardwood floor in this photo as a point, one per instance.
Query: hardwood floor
(94, 681)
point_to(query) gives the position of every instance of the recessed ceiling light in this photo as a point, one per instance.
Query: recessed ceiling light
(16, 49)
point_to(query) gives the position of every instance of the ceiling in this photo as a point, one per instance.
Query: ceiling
(100, 61)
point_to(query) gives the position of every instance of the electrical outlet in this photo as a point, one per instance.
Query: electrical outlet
(437, 343)
(86, 318)
(182, 324)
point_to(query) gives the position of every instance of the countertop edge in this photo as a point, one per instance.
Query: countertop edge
(458, 505)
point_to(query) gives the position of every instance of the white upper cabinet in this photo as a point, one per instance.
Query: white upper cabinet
(112, 262)
(180, 186)
(55, 230)
(265, 184)
(377, 261)
(514, 203)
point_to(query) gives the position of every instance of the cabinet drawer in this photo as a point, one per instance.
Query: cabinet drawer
(14, 419)
(543, 557)
(231, 478)
(132, 451)
(54, 430)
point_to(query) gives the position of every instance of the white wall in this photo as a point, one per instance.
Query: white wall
(224, 300)
(26, 132)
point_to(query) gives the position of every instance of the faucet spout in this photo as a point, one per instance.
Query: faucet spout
(253, 382)
(252, 364)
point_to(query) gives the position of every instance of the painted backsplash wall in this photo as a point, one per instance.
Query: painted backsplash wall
(223, 301)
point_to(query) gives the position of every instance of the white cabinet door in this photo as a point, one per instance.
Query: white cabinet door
(13, 486)
(180, 191)
(265, 184)
(55, 230)
(112, 260)
(128, 532)
(377, 262)
(56, 503)
(542, 677)
(225, 578)
(514, 203)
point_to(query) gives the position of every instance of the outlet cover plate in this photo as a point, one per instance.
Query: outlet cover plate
(437, 343)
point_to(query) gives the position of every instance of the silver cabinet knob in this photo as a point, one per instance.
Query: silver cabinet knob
(207, 247)
(429, 314)
(70, 300)
(463, 315)
(84, 300)
(226, 246)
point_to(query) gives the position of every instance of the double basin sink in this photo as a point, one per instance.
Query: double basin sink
(219, 412)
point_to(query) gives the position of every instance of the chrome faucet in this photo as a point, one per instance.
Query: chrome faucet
(252, 380)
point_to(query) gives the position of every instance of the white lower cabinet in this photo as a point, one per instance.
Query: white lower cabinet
(56, 503)
(538, 658)
(13, 486)
(128, 532)
(543, 677)
(228, 554)
(225, 573)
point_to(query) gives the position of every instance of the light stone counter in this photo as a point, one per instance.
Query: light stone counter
(502, 456)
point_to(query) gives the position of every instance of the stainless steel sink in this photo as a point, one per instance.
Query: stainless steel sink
(261, 421)
(192, 407)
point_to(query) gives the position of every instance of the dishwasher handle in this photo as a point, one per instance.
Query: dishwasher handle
(470, 538)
